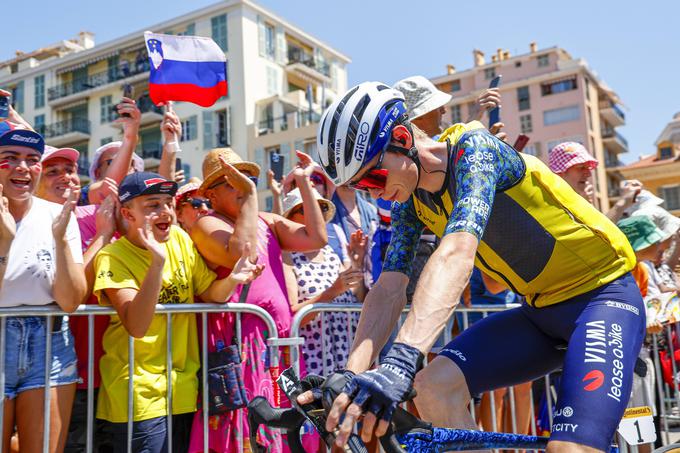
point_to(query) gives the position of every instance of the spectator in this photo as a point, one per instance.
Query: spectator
(190, 206)
(155, 262)
(113, 161)
(219, 237)
(575, 165)
(97, 228)
(43, 266)
(320, 276)
(426, 104)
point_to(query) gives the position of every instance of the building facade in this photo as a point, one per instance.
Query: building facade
(660, 172)
(279, 80)
(551, 97)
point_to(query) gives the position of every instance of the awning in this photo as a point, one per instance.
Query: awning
(87, 62)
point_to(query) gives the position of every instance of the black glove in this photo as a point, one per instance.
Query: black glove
(380, 391)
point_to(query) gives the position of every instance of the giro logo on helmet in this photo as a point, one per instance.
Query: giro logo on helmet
(362, 141)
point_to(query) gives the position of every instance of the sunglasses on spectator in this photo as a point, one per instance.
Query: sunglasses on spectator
(317, 179)
(221, 181)
(374, 178)
(196, 203)
(324, 209)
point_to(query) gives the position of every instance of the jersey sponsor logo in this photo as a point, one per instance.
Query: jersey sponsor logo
(463, 225)
(362, 141)
(622, 306)
(616, 341)
(595, 379)
(477, 205)
(566, 411)
(596, 345)
(20, 138)
(337, 150)
(565, 427)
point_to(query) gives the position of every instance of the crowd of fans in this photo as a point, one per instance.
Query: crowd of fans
(131, 239)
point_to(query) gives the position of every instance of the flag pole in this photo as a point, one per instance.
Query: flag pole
(168, 108)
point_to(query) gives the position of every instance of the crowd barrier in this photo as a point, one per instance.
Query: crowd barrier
(91, 311)
(667, 395)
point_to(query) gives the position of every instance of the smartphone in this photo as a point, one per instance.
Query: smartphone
(276, 164)
(4, 107)
(521, 142)
(178, 164)
(127, 93)
(495, 114)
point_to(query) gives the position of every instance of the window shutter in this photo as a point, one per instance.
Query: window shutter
(227, 125)
(208, 135)
(259, 160)
(287, 157)
(261, 36)
(281, 46)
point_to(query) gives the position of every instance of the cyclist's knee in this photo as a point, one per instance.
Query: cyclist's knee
(442, 380)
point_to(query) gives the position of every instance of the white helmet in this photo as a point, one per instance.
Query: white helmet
(356, 128)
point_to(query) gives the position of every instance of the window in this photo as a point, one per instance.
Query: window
(189, 129)
(456, 116)
(489, 73)
(39, 124)
(590, 118)
(523, 99)
(558, 87)
(543, 61)
(525, 124)
(587, 88)
(562, 115)
(666, 152)
(39, 85)
(219, 30)
(18, 97)
(554, 143)
(191, 31)
(671, 197)
(105, 140)
(224, 127)
(272, 81)
(455, 85)
(533, 149)
(106, 114)
(269, 41)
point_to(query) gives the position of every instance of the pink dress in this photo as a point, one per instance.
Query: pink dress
(269, 292)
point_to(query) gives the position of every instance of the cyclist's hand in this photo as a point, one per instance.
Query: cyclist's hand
(332, 386)
(376, 394)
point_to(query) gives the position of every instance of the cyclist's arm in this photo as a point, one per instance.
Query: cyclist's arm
(448, 270)
(387, 298)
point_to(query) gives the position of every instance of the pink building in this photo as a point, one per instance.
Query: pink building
(552, 98)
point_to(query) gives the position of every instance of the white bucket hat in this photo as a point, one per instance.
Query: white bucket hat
(293, 199)
(664, 220)
(421, 96)
(137, 162)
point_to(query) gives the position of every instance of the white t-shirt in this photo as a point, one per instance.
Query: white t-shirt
(32, 258)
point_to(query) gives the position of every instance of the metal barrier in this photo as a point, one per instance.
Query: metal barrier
(462, 314)
(668, 396)
(164, 310)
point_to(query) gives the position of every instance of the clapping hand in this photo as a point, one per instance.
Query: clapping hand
(244, 270)
(356, 249)
(305, 165)
(8, 226)
(60, 223)
(105, 219)
(275, 186)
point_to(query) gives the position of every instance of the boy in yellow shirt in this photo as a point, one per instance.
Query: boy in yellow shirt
(155, 262)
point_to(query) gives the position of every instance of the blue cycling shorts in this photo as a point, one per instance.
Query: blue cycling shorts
(595, 337)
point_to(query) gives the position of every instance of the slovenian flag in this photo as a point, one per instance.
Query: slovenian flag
(185, 68)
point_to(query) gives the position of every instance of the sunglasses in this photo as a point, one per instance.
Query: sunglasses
(221, 181)
(317, 179)
(374, 178)
(196, 203)
(301, 210)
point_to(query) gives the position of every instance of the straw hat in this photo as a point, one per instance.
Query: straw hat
(212, 169)
(293, 199)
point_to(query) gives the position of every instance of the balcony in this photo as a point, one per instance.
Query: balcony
(83, 166)
(151, 151)
(614, 141)
(69, 91)
(612, 113)
(67, 132)
(295, 119)
(302, 64)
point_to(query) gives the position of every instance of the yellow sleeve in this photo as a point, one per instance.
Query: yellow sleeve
(202, 277)
(111, 272)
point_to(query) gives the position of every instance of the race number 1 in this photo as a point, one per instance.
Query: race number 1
(637, 426)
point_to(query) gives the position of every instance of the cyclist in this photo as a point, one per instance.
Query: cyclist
(519, 223)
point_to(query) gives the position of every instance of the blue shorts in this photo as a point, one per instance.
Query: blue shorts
(595, 337)
(25, 343)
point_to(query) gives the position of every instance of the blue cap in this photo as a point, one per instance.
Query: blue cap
(11, 136)
(145, 183)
